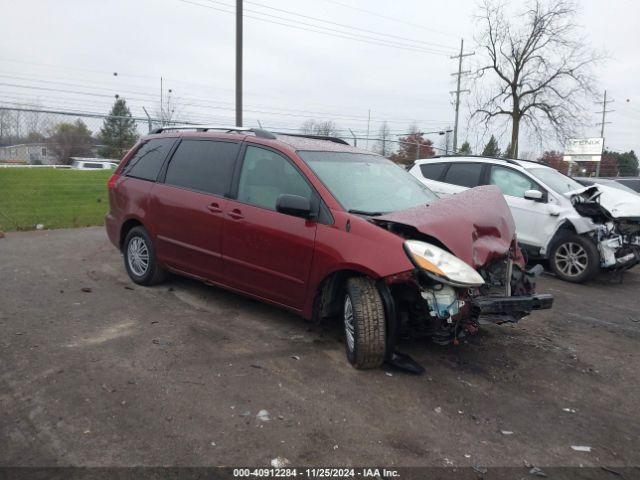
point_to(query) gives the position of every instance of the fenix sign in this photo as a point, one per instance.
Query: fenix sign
(584, 149)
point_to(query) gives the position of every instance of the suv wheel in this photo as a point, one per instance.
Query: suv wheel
(140, 258)
(364, 323)
(574, 258)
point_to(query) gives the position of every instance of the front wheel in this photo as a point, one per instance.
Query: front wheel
(140, 258)
(574, 258)
(364, 323)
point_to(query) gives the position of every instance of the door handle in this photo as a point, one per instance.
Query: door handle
(236, 214)
(214, 208)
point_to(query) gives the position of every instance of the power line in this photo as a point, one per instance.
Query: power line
(199, 102)
(325, 30)
(347, 26)
(393, 19)
(172, 80)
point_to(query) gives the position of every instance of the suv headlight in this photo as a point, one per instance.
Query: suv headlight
(441, 264)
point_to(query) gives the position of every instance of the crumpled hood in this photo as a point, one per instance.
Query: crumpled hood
(618, 203)
(475, 225)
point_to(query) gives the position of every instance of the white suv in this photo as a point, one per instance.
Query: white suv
(578, 229)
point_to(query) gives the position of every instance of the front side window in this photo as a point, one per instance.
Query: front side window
(147, 161)
(367, 183)
(202, 165)
(266, 175)
(464, 174)
(511, 182)
(555, 180)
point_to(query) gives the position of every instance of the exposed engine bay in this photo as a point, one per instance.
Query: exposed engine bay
(428, 307)
(447, 314)
(617, 237)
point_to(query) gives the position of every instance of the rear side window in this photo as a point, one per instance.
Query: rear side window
(147, 161)
(203, 165)
(433, 171)
(464, 174)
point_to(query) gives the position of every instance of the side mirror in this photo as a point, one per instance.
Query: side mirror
(535, 195)
(293, 205)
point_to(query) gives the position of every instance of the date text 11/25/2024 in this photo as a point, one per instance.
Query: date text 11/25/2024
(316, 472)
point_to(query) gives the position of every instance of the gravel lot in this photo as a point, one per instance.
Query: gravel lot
(176, 374)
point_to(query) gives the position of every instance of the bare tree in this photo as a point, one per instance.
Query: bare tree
(541, 66)
(167, 111)
(70, 140)
(383, 146)
(325, 129)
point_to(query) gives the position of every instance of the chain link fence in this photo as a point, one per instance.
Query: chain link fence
(46, 193)
(28, 136)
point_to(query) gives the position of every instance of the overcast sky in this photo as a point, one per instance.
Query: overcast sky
(62, 54)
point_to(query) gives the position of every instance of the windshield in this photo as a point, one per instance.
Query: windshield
(367, 183)
(555, 180)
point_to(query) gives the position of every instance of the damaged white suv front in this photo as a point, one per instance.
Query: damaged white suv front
(580, 230)
(589, 228)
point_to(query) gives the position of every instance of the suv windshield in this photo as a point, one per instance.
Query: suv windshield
(555, 180)
(367, 184)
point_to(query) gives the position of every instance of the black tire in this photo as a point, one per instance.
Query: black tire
(150, 274)
(367, 346)
(574, 258)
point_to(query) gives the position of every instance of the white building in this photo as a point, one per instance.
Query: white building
(28, 154)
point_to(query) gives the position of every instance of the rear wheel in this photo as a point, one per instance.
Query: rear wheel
(140, 258)
(574, 258)
(364, 323)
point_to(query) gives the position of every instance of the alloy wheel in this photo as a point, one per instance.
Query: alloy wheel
(349, 329)
(138, 256)
(571, 259)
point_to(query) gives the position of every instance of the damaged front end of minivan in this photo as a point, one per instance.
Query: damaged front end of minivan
(468, 269)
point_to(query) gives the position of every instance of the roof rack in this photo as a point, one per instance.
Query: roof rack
(226, 128)
(316, 137)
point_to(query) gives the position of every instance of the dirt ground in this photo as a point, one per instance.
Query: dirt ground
(177, 374)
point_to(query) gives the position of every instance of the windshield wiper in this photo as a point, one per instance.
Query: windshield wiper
(364, 212)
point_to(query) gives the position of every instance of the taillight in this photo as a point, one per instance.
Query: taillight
(112, 181)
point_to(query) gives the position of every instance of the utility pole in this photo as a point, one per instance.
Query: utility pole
(368, 125)
(161, 108)
(238, 63)
(457, 91)
(603, 123)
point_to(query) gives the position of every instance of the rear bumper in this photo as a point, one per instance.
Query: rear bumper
(513, 306)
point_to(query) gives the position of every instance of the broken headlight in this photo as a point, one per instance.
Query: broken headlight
(441, 265)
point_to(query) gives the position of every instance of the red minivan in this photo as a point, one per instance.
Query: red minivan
(323, 229)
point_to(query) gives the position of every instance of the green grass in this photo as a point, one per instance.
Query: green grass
(55, 198)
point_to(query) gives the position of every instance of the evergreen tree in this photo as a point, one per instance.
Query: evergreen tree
(628, 163)
(118, 132)
(507, 152)
(465, 149)
(491, 149)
